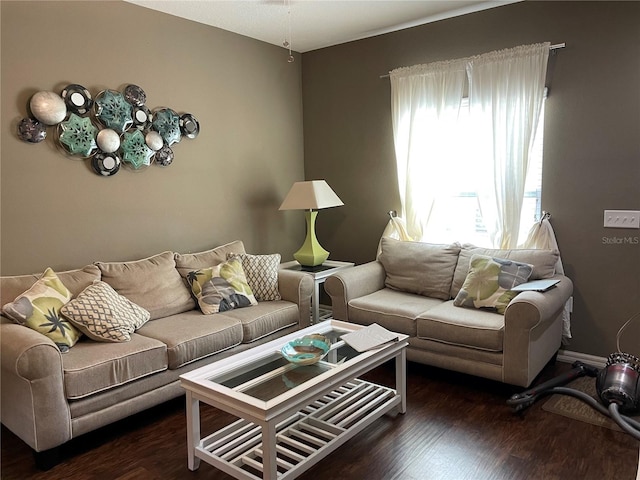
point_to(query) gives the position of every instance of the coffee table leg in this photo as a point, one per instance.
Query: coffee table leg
(269, 464)
(193, 431)
(401, 379)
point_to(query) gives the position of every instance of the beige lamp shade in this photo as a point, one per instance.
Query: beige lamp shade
(312, 195)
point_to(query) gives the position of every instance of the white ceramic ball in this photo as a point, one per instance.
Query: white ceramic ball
(153, 140)
(48, 107)
(108, 140)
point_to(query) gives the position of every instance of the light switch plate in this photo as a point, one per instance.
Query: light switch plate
(622, 218)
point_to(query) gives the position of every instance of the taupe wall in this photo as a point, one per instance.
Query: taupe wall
(224, 185)
(591, 155)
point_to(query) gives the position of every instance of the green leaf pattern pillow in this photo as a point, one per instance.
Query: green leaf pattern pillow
(489, 283)
(221, 288)
(39, 309)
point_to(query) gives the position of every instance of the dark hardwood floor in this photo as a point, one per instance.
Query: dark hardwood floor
(456, 427)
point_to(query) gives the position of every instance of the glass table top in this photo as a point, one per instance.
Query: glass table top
(271, 375)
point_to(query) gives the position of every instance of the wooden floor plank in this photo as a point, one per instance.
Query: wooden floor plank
(456, 427)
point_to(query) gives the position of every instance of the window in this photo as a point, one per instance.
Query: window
(462, 169)
(456, 214)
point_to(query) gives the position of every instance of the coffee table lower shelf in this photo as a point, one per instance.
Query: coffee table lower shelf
(302, 439)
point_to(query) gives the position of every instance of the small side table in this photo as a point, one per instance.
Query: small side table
(319, 274)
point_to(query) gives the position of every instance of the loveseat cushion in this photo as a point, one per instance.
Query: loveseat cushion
(188, 262)
(394, 310)
(92, 367)
(153, 283)
(423, 268)
(265, 318)
(190, 336)
(543, 262)
(465, 327)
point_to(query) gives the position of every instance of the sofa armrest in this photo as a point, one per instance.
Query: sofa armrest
(533, 331)
(33, 403)
(345, 285)
(297, 287)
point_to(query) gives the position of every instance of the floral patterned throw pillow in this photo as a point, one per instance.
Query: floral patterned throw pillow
(39, 309)
(221, 288)
(489, 283)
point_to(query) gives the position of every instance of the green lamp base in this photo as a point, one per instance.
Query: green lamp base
(311, 253)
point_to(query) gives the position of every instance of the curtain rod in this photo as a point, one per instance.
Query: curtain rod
(552, 47)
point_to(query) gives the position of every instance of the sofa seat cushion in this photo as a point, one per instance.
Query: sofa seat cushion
(462, 326)
(264, 318)
(92, 367)
(153, 283)
(190, 336)
(394, 310)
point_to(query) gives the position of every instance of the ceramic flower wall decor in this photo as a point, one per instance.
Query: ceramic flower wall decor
(111, 129)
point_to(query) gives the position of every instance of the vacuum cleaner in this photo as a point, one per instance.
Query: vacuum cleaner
(617, 385)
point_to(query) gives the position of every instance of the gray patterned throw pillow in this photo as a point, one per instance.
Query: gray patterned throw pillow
(262, 274)
(104, 315)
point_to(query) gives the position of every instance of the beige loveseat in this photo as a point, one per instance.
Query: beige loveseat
(411, 289)
(49, 397)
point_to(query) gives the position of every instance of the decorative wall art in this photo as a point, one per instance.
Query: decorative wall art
(112, 129)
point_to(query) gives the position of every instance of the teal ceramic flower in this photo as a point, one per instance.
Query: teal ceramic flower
(113, 111)
(135, 151)
(78, 136)
(167, 123)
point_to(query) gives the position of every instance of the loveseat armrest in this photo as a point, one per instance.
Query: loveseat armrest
(33, 405)
(533, 331)
(345, 285)
(297, 287)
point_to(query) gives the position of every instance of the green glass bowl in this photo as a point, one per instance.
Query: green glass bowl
(307, 350)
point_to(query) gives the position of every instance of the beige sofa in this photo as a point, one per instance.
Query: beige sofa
(49, 397)
(411, 289)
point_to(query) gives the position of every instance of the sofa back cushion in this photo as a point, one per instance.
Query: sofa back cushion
(75, 280)
(188, 262)
(423, 268)
(152, 283)
(543, 262)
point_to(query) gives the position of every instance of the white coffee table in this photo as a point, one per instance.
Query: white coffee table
(290, 416)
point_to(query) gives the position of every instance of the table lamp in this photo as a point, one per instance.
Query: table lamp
(311, 196)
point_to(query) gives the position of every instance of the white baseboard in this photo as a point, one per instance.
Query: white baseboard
(570, 357)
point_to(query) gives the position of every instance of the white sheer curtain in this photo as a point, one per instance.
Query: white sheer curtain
(506, 93)
(425, 106)
(542, 236)
(396, 229)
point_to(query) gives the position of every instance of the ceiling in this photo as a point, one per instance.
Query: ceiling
(313, 24)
